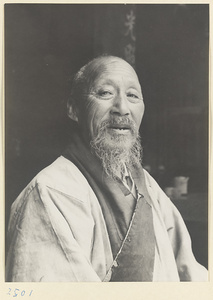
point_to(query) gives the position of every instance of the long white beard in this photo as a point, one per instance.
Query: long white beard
(116, 150)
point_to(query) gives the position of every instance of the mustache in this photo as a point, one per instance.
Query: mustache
(121, 121)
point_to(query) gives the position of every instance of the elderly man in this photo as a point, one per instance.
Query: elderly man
(95, 214)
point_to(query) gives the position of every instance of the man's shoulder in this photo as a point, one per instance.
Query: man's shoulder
(61, 172)
(62, 176)
(155, 191)
(150, 181)
(160, 200)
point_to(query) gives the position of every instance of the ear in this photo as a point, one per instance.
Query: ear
(72, 113)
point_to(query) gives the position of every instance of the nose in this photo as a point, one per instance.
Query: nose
(120, 106)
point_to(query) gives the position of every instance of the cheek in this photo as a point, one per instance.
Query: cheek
(96, 113)
(138, 112)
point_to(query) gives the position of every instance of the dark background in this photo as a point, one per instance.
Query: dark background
(46, 44)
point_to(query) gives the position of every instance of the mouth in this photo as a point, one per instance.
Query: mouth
(120, 128)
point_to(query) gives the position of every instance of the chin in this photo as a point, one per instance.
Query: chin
(119, 141)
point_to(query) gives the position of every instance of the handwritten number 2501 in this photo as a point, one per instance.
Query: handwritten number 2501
(16, 292)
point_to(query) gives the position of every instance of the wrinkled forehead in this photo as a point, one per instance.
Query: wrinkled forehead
(108, 66)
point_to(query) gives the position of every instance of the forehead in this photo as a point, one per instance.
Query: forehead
(108, 70)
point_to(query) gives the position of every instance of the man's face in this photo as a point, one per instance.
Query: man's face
(114, 97)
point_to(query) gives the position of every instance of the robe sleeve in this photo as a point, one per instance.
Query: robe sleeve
(42, 246)
(188, 268)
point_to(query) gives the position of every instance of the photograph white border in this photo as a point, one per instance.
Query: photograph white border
(105, 291)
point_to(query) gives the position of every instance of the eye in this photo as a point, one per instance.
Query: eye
(132, 95)
(105, 94)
